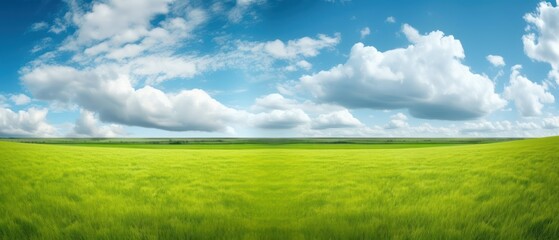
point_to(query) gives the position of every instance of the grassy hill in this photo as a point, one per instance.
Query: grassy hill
(506, 190)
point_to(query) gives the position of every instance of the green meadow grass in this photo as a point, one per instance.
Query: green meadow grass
(507, 190)
(254, 146)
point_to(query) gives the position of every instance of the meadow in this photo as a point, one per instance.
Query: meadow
(300, 189)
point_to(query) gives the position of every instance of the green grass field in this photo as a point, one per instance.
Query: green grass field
(402, 190)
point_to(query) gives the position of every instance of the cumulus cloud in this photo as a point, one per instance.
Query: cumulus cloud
(118, 53)
(276, 111)
(110, 94)
(551, 122)
(87, 125)
(398, 120)
(118, 20)
(292, 49)
(365, 32)
(484, 126)
(390, 19)
(338, 119)
(274, 101)
(281, 119)
(147, 32)
(59, 26)
(527, 125)
(156, 69)
(138, 39)
(20, 99)
(118, 50)
(477, 128)
(496, 60)
(427, 78)
(126, 33)
(529, 97)
(267, 56)
(504, 128)
(542, 37)
(25, 123)
(422, 130)
(304, 65)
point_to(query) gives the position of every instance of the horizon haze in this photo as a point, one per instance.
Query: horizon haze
(272, 68)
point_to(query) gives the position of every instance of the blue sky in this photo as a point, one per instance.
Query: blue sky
(264, 68)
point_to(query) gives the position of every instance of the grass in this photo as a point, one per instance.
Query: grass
(506, 190)
(265, 146)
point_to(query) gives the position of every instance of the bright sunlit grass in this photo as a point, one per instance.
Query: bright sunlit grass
(506, 190)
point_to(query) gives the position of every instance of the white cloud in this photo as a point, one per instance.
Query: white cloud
(28, 123)
(527, 125)
(529, 97)
(116, 52)
(87, 125)
(120, 31)
(304, 65)
(281, 119)
(391, 19)
(551, 122)
(484, 126)
(111, 65)
(20, 99)
(59, 26)
(338, 119)
(237, 13)
(115, 18)
(478, 128)
(542, 38)
(505, 128)
(496, 60)
(303, 47)
(161, 68)
(71, 17)
(422, 130)
(398, 120)
(41, 45)
(109, 93)
(135, 41)
(365, 32)
(268, 57)
(276, 111)
(38, 26)
(277, 101)
(149, 49)
(427, 78)
(273, 101)
(217, 7)
(3, 101)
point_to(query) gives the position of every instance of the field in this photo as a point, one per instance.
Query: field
(299, 189)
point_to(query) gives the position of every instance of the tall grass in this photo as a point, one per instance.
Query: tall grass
(491, 191)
